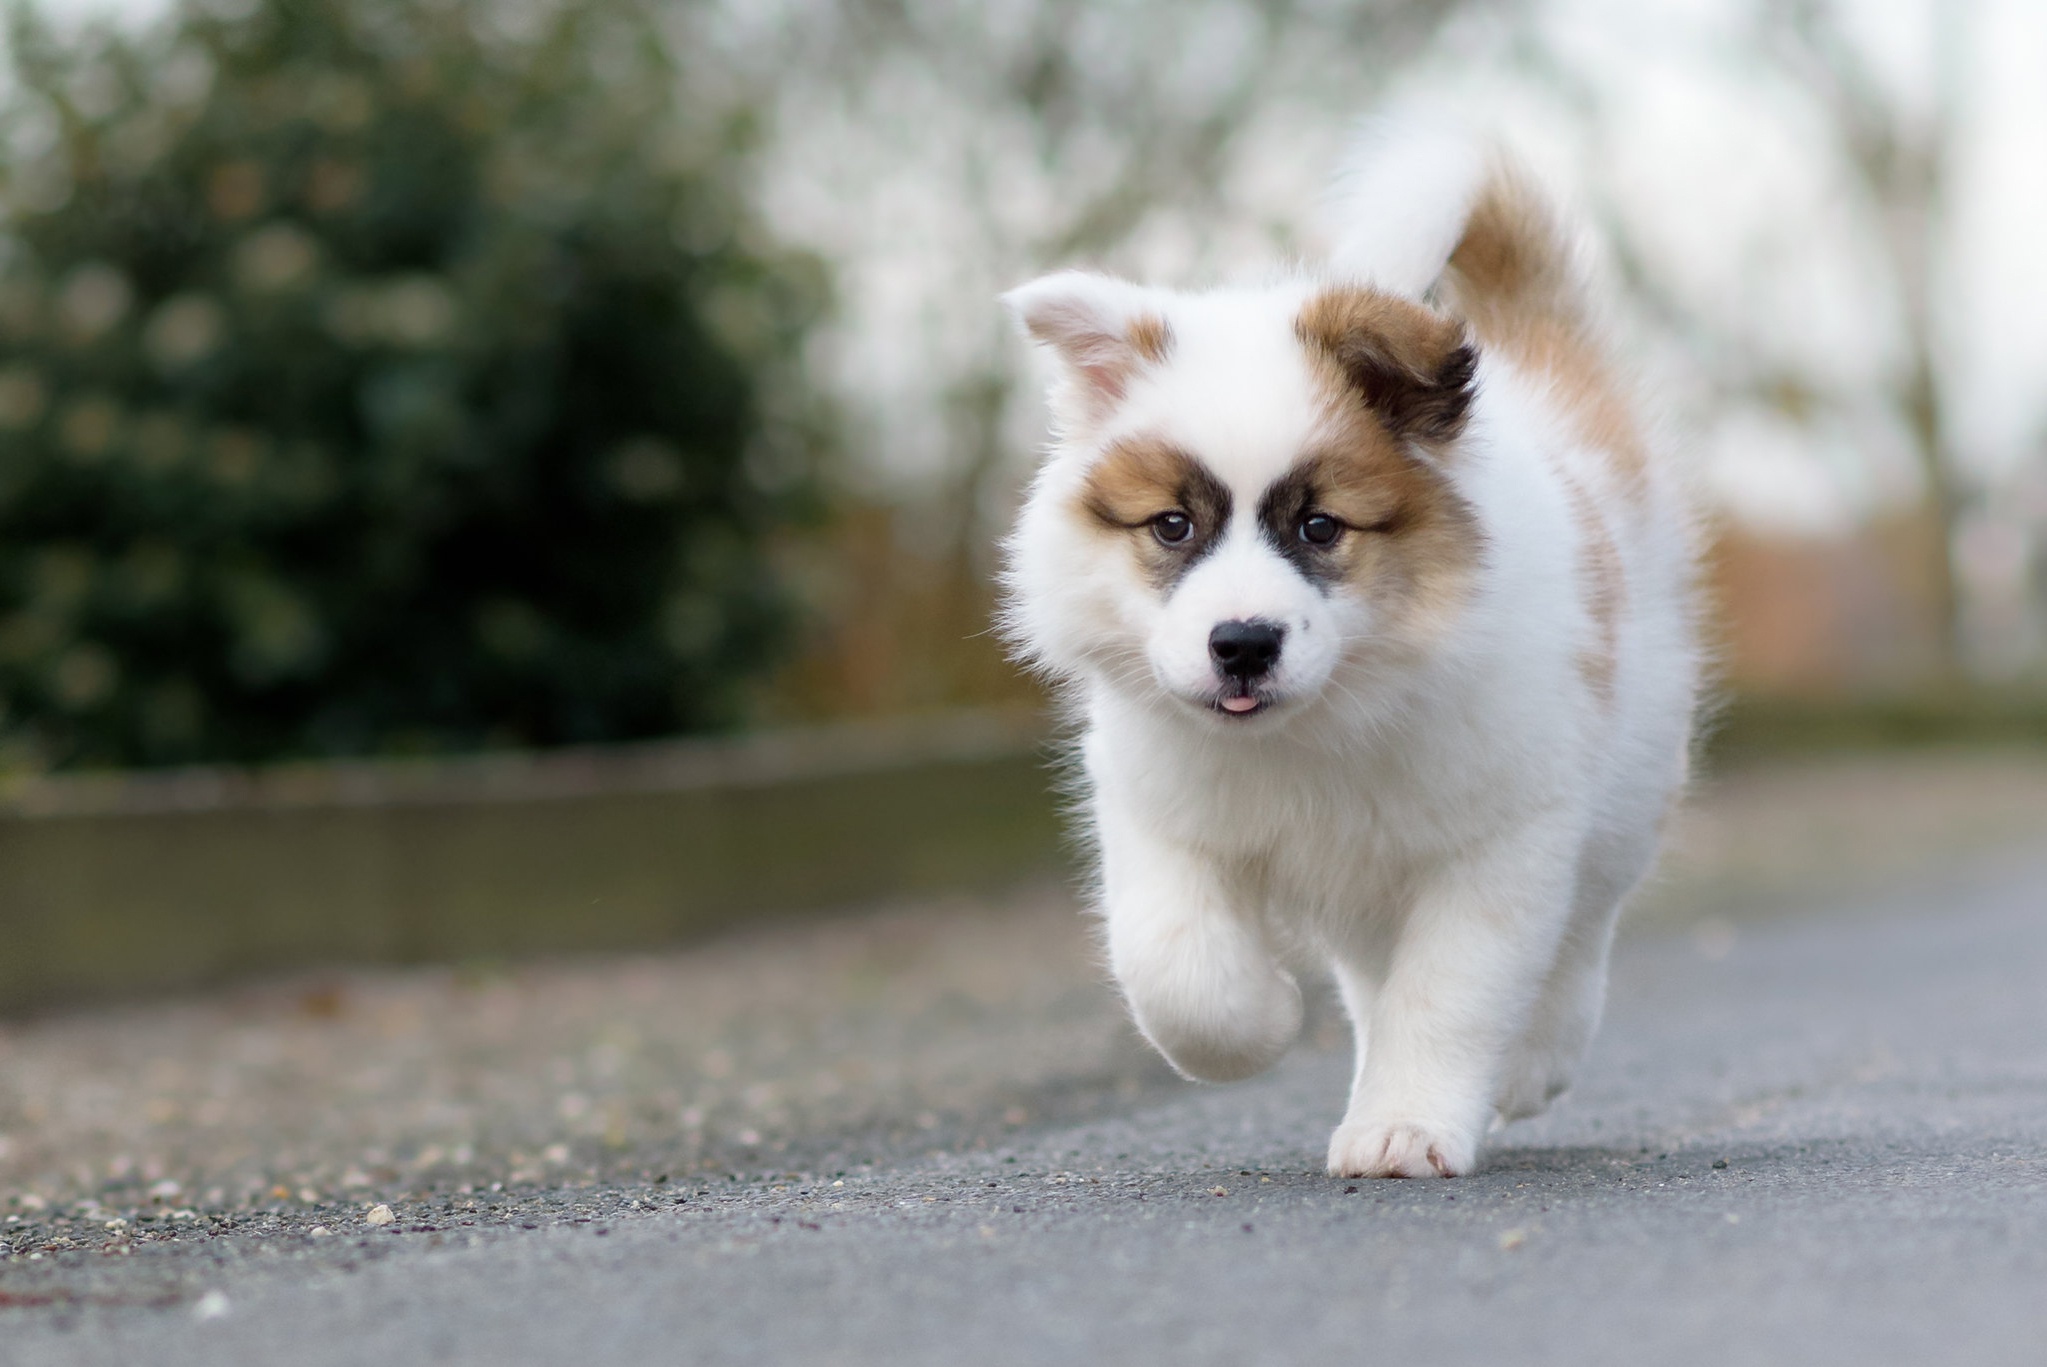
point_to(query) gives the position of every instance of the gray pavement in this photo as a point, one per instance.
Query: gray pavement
(1815, 1140)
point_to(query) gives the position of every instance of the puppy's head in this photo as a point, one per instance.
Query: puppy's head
(1249, 491)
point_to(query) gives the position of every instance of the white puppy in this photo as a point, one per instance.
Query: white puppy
(1377, 610)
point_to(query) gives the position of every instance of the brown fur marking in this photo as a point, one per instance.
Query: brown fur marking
(1138, 479)
(1409, 364)
(1603, 581)
(1151, 337)
(1103, 361)
(1410, 543)
(1510, 276)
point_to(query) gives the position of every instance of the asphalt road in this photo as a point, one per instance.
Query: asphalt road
(1815, 1140)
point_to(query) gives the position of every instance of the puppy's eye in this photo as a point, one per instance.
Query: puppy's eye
(1172, 528)
(1319, 529)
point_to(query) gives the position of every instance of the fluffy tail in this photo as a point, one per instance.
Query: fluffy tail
(1513, 275)
(1432, 209)
(1400, 201)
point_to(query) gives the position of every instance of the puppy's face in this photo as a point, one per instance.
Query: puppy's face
(1248, 494)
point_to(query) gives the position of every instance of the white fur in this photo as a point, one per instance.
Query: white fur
(1448, 825)
(1400, 199)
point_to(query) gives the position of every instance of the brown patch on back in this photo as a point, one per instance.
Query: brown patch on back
(1510, 277)
(1603, 581)
(1138, 479)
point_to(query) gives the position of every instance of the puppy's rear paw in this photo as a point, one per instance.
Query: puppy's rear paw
(1400, 1149)
(1529, 1091)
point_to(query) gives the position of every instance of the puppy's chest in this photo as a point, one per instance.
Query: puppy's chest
(1343, 856)
(1310, 832)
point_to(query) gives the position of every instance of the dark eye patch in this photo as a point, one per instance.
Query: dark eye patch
(1312, 514)
(1288, 502)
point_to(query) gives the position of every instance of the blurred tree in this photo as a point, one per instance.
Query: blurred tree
(1887, 129)
(378, 376)
(1900, 153)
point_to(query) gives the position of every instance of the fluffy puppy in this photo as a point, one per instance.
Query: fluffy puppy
(1375, 605)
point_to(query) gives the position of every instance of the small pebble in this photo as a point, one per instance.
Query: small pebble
(379, 1215)
(211, 1306)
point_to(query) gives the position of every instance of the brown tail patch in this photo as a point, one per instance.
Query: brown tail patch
(1511, 277)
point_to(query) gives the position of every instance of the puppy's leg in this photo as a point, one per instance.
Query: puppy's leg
(1202, 983)
(1541, 1061)
(1357, 986)
(1462, 978)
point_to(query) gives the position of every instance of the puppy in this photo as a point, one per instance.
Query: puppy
(1375, 602)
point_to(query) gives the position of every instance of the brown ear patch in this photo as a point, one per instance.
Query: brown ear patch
(1138, 480)
(1103, 358)
(1151, 337)
(1411, 367)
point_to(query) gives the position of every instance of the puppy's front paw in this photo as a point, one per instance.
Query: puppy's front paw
(1400, 1149)
(1223, 1029)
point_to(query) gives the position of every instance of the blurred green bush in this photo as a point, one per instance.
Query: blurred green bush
(383, 376)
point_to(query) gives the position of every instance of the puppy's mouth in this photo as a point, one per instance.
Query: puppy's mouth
(1239, 700)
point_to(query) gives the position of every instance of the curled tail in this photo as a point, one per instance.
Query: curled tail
(1436, 211)
(1438, 214)
(1513, 273)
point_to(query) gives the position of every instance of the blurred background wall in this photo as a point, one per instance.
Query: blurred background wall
(384, 377)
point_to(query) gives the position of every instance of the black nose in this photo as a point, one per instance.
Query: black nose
(1244, 650)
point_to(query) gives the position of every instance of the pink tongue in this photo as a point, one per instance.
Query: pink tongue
(1239, 704)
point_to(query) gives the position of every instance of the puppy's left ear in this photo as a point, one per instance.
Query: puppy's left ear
(1103, 329)
(1413, 367)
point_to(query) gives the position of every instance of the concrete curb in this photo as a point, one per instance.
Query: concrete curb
(120, 883)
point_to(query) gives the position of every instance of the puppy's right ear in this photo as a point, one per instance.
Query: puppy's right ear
(1103, 330)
